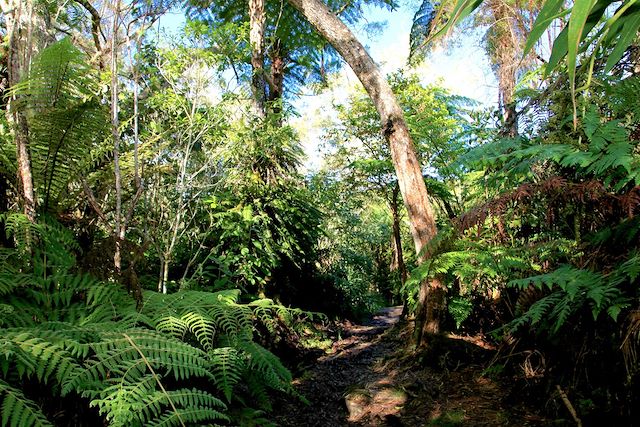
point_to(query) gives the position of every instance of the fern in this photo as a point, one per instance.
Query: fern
(64, 114)
(227, 369)
(572, 289)
(17, 410)
(84, 337)
(421, 27)
(191, 415)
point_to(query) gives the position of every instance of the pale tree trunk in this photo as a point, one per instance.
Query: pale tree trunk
(256, 39)
(115, 134)
(165, 263)
(507, 56)
(19, 22)
(405, 161)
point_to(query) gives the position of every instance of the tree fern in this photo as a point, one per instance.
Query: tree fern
(64, 114)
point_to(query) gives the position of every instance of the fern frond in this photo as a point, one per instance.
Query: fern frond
(186, 398)
(192, 415)
(65, 116)
(17, 410)
(37, 356)
(115, 354)
(227, 368)
(263, 361)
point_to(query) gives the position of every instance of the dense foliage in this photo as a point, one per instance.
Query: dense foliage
(162, 245)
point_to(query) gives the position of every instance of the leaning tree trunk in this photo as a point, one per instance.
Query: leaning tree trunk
(394, 127)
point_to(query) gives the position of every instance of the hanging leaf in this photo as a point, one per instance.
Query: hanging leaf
(461, 10)
(549, 12)
(626, 27)
(422, 23)
(576, 31)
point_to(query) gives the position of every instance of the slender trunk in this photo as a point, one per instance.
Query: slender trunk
(510, 118)
(95, 29)
(19, 20)
(256, 39)
(5, 241)
(164, 274)
(115, 134)
(449, 209)
(397, 238)
(405, 161)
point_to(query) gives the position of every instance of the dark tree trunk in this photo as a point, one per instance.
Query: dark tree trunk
(394, 128)
(276, 87)
(398, 257)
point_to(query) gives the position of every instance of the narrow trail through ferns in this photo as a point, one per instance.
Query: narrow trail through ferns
(370, 379)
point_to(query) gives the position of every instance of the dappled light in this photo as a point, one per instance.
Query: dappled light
(296, 213)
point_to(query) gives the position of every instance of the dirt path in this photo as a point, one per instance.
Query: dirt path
(369, 381)
(336, 378)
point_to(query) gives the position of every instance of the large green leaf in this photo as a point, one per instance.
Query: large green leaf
(576, 31)
(626, 27)
(549, 12)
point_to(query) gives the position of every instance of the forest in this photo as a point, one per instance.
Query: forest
(184, 243)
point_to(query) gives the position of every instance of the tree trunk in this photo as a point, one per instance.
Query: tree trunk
(394, 127)
(398, 257)
(19, 22)
(256, 39)
(507, 56)
(164, 274)
(276, 88)
(115, 134)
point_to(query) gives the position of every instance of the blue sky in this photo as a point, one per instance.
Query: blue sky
(461, 67)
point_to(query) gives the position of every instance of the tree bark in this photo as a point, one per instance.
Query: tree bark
(95, 29)
(19, 21)
(507, 56)
(398, 256)
(164, 274)
(256, 39)
(394, 127)
(115, 134)
(276, 87)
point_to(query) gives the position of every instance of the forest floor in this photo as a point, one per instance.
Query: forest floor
(371, 379)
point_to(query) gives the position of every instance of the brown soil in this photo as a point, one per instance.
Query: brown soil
(372, 379)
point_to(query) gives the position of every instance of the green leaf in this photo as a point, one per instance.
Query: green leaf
(577, 24)
(627, 27)
(560, 45)
(547, 14)
(461, 10)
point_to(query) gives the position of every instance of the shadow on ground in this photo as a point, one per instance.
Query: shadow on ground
(369, 380)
